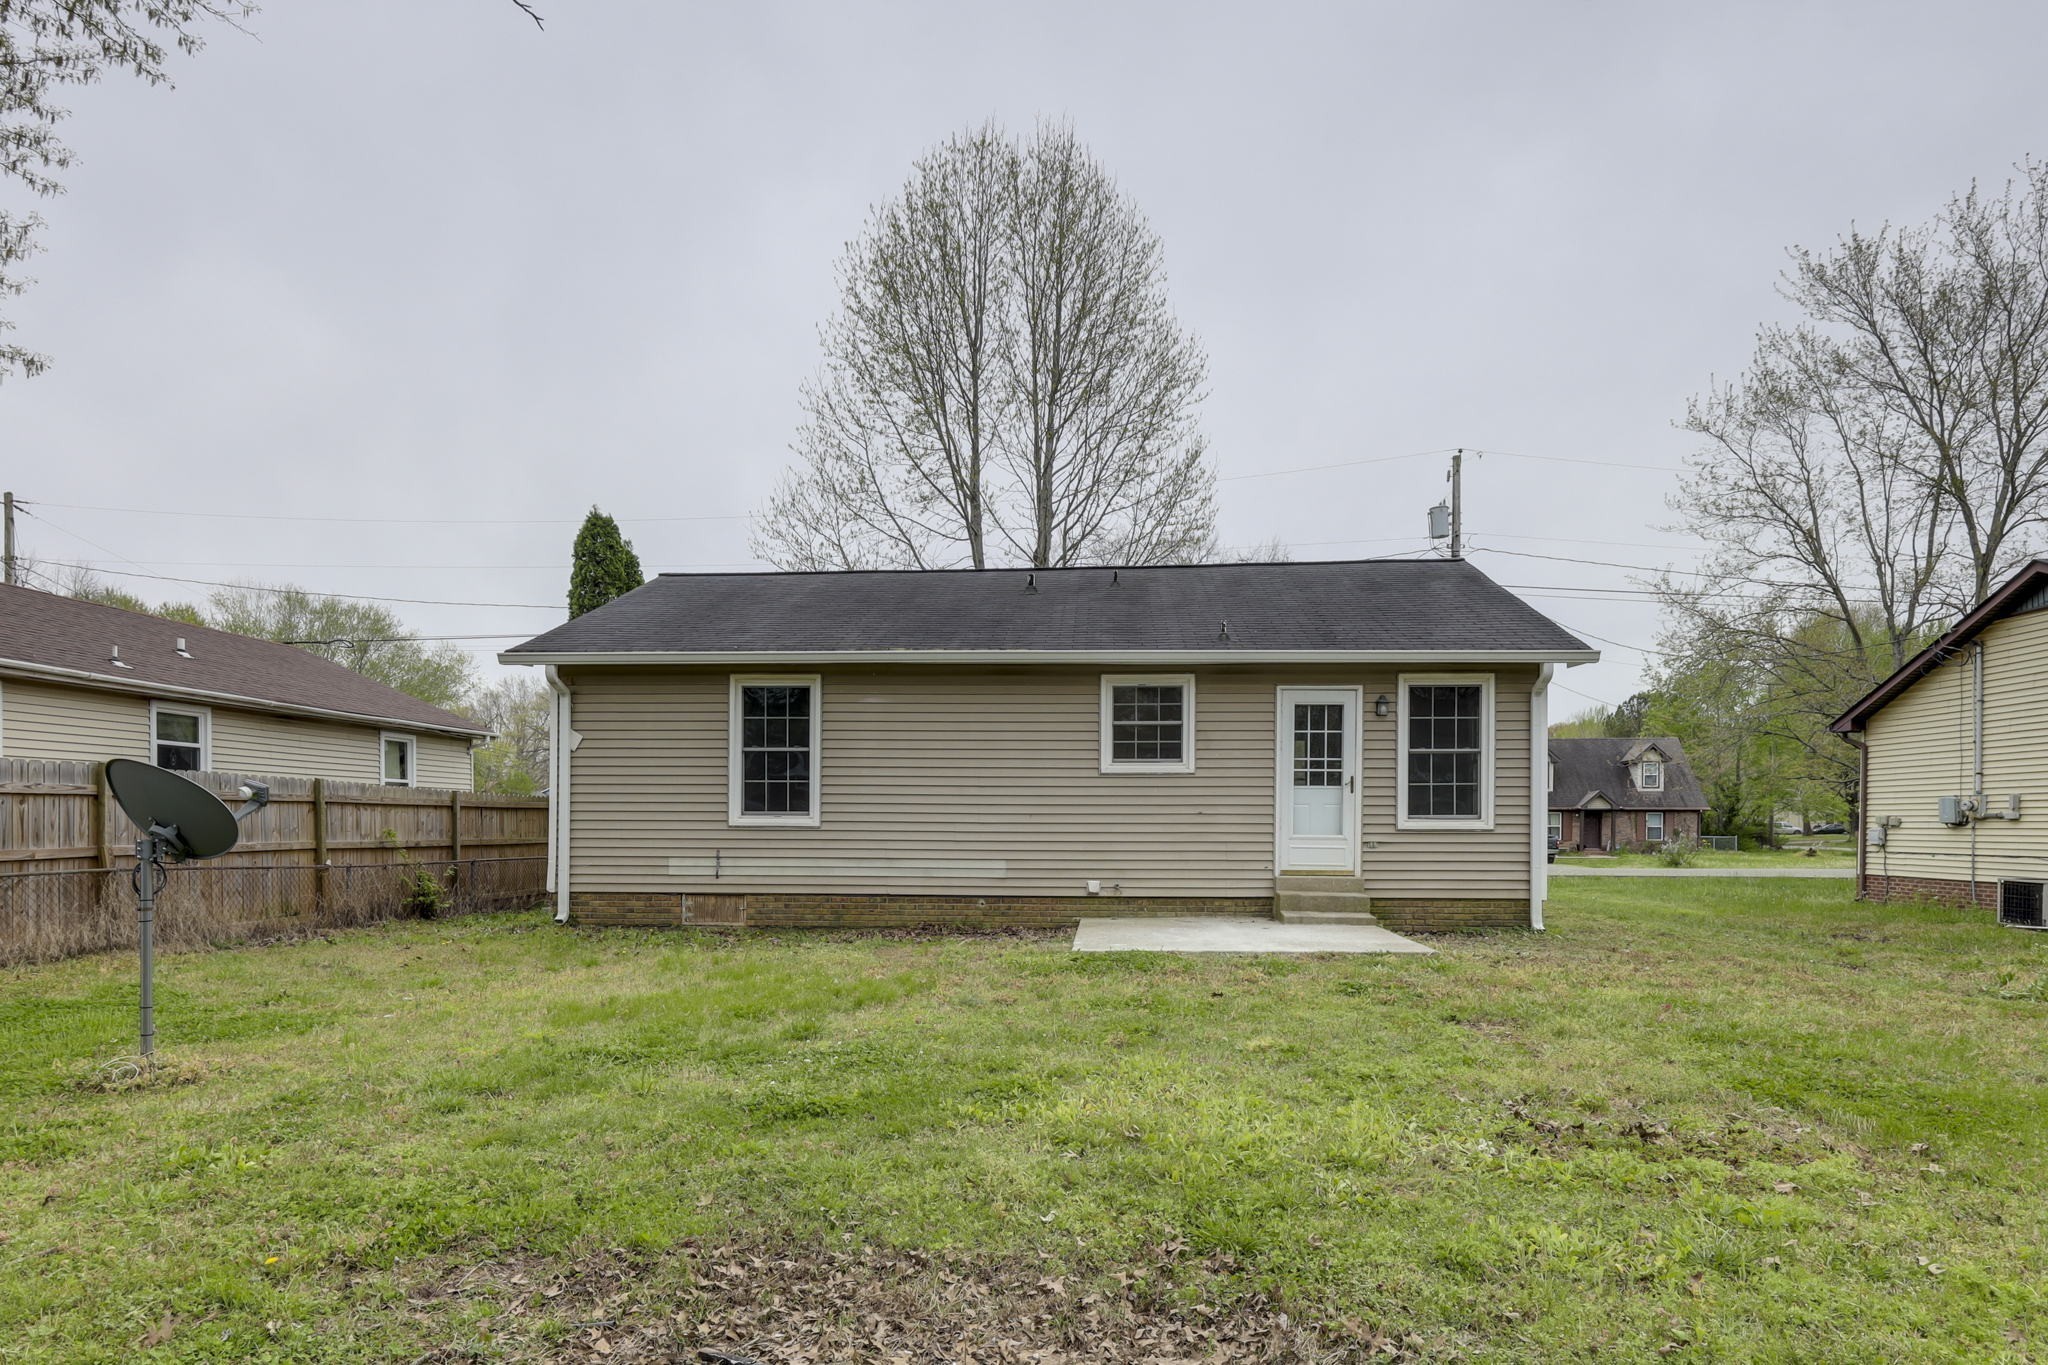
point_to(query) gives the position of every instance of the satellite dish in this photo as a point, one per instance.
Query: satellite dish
(187, 820)
(177, 819)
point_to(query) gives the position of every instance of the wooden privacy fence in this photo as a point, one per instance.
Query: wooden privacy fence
(323, 854)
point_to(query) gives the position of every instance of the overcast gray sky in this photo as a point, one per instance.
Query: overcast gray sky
(409, 259)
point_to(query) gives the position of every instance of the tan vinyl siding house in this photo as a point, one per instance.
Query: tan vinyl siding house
(986, 790)
(1920, 737)
(988, 782)
(84, 682)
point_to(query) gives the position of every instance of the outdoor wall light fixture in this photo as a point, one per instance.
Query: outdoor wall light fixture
(1379, 708)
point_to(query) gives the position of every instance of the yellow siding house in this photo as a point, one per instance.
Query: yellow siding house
(1955, 762)
(85, 682)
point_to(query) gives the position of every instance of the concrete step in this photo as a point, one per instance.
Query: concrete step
(1318, 882)
(1330, 902)
(1288, 916)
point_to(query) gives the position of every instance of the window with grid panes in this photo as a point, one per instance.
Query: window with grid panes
(775, 749)
(1445, 754)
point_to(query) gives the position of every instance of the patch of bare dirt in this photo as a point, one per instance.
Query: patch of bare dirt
(731, 1306)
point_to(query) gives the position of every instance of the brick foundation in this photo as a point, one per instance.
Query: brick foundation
(1875, 886)
(1449, 916)
(774, 910)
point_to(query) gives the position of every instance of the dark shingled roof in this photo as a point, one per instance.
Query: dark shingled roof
(41, 628)
(1585, 766)
(1376, 604)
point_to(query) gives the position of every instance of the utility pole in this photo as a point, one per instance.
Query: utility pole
(1457, 504)
(1449, 521)
(9, 497)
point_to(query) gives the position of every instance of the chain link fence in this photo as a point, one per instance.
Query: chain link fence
(58, 914)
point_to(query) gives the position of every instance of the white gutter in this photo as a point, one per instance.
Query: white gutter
(562, 742)
(1058, 656)
(144, 687)
(1539, 795)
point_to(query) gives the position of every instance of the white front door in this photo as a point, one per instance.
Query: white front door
(1317, 797)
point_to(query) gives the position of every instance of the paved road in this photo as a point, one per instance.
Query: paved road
(1578, 870)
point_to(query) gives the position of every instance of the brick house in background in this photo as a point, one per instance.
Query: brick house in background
(1620, 793)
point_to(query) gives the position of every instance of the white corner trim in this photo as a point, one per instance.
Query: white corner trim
(561, 743)
(412, 758)
(1539, 794)
(178, 708)
(1186, 683)
(734, 795)
(1402, 819)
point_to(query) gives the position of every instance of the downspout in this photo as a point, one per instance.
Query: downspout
(562, 741)
(1860, 825)
(1539, 794)
(1977, 762)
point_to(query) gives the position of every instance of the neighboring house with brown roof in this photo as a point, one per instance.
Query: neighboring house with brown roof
(1622, 793)
(1009, 746)
(1954, 769)
(86, 682)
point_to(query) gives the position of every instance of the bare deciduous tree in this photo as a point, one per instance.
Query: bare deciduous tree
(48, 44)
(1879, 467)
(1004, 381)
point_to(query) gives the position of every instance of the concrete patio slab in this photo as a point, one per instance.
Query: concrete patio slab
(1572, 870)
(1235, 934)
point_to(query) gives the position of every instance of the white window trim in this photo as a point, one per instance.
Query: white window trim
(1402, 819)
(1643, 772)
(412, 758)
(1554, 825)
(1663, 827)
(205, 714)
(734, 767)
(1186, 683)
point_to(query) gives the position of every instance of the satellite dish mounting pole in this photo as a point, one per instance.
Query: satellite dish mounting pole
(148, 869)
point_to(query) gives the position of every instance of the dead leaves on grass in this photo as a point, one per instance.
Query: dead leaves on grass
(817, 1305)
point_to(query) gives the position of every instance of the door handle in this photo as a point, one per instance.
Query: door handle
(1351, 783)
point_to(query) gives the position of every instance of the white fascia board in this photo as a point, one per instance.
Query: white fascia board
(1114, 657)
(143, 687)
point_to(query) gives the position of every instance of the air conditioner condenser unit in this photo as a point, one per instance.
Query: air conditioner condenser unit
(2021, 905)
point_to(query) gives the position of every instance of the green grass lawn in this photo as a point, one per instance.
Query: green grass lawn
(1730, 1120)
(1839, 856)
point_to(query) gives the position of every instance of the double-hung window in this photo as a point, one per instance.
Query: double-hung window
(1653, 775)
(773, 759)
(1446, 758)
(180, 736)
(400, 759)
(1148, 723)
(1653, 826)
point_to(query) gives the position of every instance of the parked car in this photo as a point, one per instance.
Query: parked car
(1831, 827)
(1553, 848)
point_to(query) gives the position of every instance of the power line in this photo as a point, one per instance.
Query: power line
(386, 521)
(1599, 563)
(348, 596)
(1340, 464)
(362, 564)
(1587, 695)
(1578, 540)
(1579, 459)
(1618, 644)
(23, 508)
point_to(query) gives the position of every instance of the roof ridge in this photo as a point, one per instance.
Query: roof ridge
(1064, 568)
